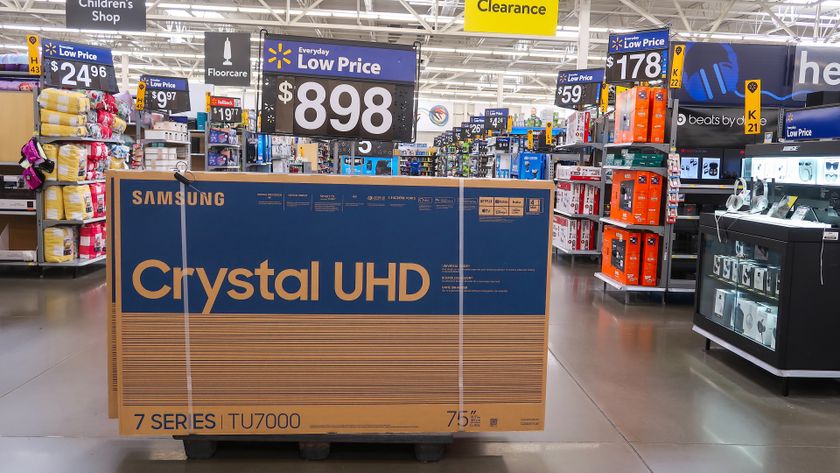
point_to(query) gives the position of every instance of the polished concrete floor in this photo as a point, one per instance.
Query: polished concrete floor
(630, 390)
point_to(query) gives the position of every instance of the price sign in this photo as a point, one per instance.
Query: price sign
(166, 94)
(225, 110)
(332, 88)
(637, 57)
(496, 119)
(458, 134)
(578, 88)
(465, 131)
(78, 66)
(476, 126)
(449, 137)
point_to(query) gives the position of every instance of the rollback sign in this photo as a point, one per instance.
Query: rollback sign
(332, 88)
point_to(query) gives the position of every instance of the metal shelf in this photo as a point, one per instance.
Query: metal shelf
(19, 75)
(625, 287)
(579, 181)
(4, 163)
(577, 252)
(688, 217)
(257, 164)
(72, 183)
(579, 145)
(222, 145)
(683, 256)
(18, 263)
(664, 147)
(658, 170)
(52, 223)
(18, 212)
(222, 167)
(168, 142)
(51, 139)
(76, 263)
(571, 215)
(705, 189)
(630, 226)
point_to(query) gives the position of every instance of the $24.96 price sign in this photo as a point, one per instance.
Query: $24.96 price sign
(78, 66)
(637, 57)
(578, 88)
(331, 88)
(225, 110)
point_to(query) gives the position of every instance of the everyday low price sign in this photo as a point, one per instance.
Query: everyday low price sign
(577, 88)
(496, 119)
(813, 123)
(532, 17)
(166, 94)
(332, 88)
(638, 56)
(78, 66)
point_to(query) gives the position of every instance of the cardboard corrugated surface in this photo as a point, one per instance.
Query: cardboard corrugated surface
(310, 354)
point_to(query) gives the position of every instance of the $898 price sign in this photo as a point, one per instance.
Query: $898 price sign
(333, 107)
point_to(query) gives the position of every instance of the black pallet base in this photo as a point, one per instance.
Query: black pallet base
(427, 448)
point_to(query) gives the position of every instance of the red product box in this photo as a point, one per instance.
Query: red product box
(658, 112)
(654, 198)
(639, 113)
(629, 196)
(622, 255)
(650, 259)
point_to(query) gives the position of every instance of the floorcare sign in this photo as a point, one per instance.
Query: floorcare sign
(532, 17)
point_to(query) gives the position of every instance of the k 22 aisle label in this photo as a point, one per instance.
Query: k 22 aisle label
(578, 88)
(165, 94)
(637, 57)
(78, 66)
(225, 110)
(331, 88)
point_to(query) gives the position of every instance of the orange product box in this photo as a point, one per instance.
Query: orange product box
(650, 259)
(658, 112)
(639, 113)
(626, 255)
(654, 198)
(629, 196)
(606, 250)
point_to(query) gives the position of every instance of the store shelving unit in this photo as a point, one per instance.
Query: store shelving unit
(597, 218)
(235, 150)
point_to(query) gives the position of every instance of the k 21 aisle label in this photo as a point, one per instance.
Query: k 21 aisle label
(225, 110)
(581, 87)
(166, 94)
(638, 56)
(332, 88)
(121, 15)
(227, 58)
(496, 119)
(812, 124)
(78, 66)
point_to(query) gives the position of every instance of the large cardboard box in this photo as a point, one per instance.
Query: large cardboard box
(658, 113)
(312, 304)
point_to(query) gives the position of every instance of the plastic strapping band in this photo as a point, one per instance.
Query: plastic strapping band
(461, 303)
(186, 294)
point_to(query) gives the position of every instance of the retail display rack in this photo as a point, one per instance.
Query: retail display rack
(424, 157)
(223, 147)
(165, 144)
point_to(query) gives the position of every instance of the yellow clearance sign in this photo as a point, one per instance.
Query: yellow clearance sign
(752, 107)
(532, 17)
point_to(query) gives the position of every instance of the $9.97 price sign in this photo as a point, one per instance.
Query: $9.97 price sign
(637, 57)
(225, 110)
(331, 88)
(578, 88)
(166, 94)
(78, 66)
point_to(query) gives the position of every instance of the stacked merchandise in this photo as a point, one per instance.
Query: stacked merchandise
(222, 144)
(640, 115)
(636, 197)
(574, 199)
(575, 234)
(157, 154)
(577, 129)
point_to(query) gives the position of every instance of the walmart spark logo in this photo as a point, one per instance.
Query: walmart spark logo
(617, 44)
(50, 48)
(279, 56)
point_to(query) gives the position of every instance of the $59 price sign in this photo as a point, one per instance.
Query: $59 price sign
(637, 57)
(166, 94)
(578, 88)
(331, 88)
(78, 66)
(225, 110)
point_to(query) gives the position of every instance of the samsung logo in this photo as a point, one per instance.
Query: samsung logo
(206, 199)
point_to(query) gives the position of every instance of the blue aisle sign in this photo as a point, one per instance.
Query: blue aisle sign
(78, 66)
(338, 89)
(330, 247)
(813, 123)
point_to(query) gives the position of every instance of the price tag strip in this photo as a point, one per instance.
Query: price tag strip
(332, 88)
(225, 110)
(495, 119)
(78, 66)
(166, 94)
(579, 88)
(640, 56)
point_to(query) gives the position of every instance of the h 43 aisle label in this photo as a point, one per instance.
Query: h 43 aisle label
(78, 66)
(637, 57)
(331, 88)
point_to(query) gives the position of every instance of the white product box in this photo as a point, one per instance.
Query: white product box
(577, 127)
(170, 126)
(744, 319)
(579, 173)
(766, 317)
(17, 255)
(717, 265)
(591, 197)
(724, 305)
(760, 278)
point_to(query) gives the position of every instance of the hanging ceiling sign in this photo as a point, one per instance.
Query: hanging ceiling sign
(816, 69)
(165, 94)
(78, 66)
(332, 88)
(121, 15)
(496, 119)
(637, 57)
(225, 110)
(578, 88)
(532, 17)
(227, 58)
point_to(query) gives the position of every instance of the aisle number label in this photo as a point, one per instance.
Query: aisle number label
(677, 63)
(549, 129)
(207, 101)
(510, 123)
(752, 107)
(140, 102)
(530, 139)
(33, 46)
(605, 97)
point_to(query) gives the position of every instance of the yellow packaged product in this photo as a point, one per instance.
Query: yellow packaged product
(48, 129)
(119, 125)
(71, 164)
(59, 244)
(78, 204)
(50, 151)
(61, 118)
(116, 163)
(53, 203)
(64, 101)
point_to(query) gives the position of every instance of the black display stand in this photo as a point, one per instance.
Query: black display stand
(804, 342)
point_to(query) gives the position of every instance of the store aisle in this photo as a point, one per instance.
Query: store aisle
(629, 390)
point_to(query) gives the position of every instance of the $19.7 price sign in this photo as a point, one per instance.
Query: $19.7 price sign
(78, 66)
(578, 88)
(225, 110)
(331, 88)
(166, 94)
(637, 57)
